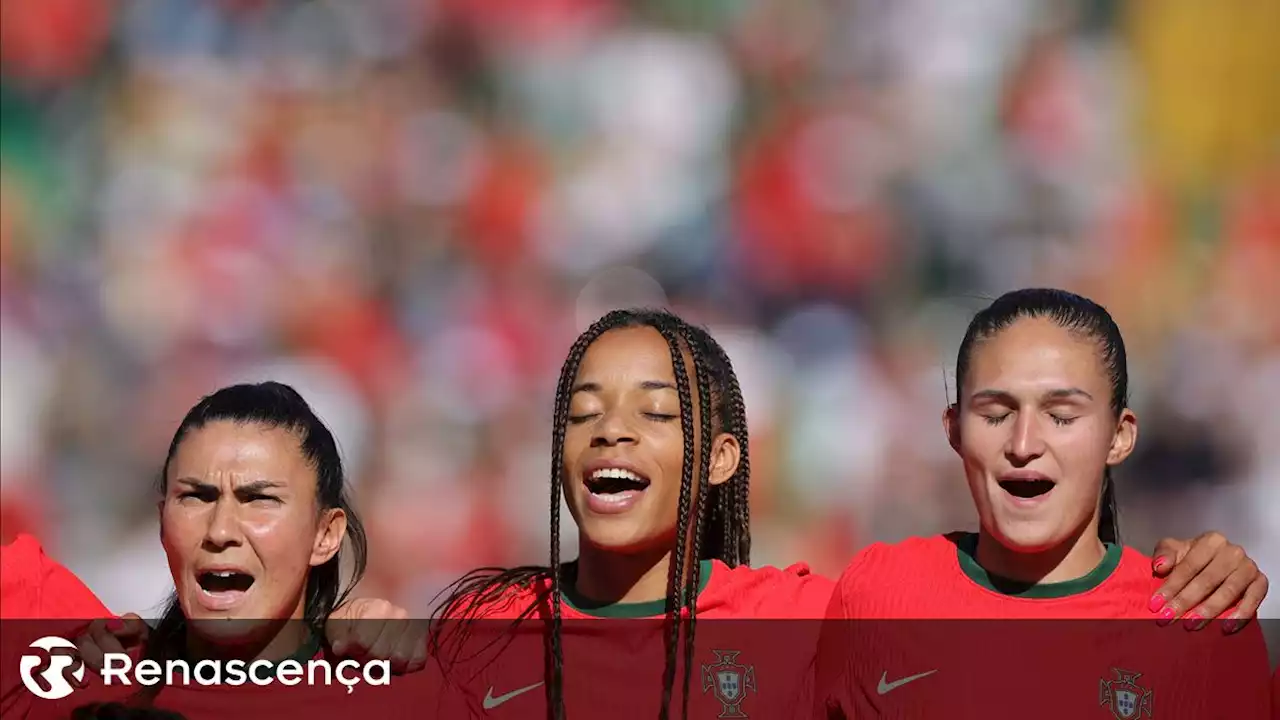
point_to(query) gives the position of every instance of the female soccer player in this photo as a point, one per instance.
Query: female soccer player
(253, 516)
(649, 450)
(40, 597)
(1040, 419)
(653, 464)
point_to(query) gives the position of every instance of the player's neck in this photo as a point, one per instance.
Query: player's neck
(282, 641)
(1070, 560)
(609, 577)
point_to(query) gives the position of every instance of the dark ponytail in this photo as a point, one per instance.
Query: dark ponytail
(1108, 522)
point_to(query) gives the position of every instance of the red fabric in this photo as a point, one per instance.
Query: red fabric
(1065, 667)
(613, 667)
(38, 597)
(741, 593)
(33, 586)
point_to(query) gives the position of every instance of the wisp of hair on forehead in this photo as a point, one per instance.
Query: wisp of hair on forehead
(718, 523)
(1080, 316)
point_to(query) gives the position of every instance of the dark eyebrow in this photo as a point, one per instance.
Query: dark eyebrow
(646, 385)
(250, 487)
(258, 486)
(1005, 397)
(1067, 394)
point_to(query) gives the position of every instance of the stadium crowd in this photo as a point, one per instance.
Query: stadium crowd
(409, 208)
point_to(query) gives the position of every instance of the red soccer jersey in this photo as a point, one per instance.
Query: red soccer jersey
(756, 635)
(920, 630)
(38, 598)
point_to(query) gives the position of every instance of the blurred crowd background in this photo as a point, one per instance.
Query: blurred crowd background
(409, 208)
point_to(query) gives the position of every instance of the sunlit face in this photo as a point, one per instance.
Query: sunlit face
(623, 445)
(241, 526)
(1035, 430)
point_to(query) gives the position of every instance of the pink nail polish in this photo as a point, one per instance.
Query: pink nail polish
(1229, 626)
(1156, 603)
(1161, 562)
(1192, 621)
(1166, 616)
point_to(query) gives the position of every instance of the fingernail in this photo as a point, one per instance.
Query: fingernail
(115, 624)
(1166, 616)
(1161, 562)
(1230, 626)
(1156, 603)
(1193, 621)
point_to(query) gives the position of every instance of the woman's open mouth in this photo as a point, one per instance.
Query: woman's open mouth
(1026, 489)
(613, 490)
(223, 588)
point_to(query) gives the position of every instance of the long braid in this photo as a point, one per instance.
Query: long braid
(731, 508)
(739, 524)
(556, 657)
(676, 600)
(736, 411)
(701, 373)
(555, 689)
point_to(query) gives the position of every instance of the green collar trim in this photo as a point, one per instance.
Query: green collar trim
(633, 610)
(967, 552)
(307, 651)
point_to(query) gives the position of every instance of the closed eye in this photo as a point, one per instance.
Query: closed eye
(995, 419)
(202, 495)
(1061, 421)
(660, 417)
(579, 419)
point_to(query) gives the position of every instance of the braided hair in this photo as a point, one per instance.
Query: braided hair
(714, 526)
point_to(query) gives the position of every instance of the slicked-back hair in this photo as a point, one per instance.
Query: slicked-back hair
(1075, 314)
(715, 526)
(273, 405)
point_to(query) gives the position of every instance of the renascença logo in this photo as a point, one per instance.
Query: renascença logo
(118, 668)
(53, 674)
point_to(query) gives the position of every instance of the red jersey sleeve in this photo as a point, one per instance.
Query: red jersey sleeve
(33, 586)
(834, 693)
(768, 593)
(38, 597)
(1233, 678)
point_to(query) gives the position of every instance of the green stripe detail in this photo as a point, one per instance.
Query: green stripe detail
(649, 608)
(309, 648)
(967, 552)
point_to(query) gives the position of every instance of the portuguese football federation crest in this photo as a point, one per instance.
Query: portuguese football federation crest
(1128, 699)
(729, 681)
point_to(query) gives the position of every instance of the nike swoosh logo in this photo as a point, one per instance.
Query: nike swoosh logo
(887, 687)
(491, 702)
